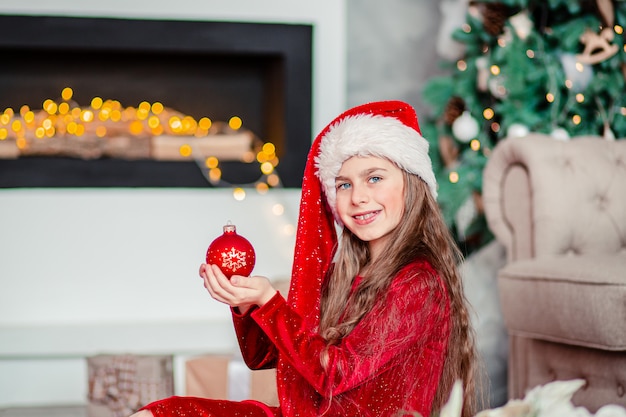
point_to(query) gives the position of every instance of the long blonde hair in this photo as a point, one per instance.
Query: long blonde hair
(421, 235)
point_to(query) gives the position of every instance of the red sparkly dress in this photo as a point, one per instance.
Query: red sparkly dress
(390, 362)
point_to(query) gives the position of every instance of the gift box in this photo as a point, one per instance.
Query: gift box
(121, 384)
(227, 377)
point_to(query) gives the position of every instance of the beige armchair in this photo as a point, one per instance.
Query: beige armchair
(559, 208)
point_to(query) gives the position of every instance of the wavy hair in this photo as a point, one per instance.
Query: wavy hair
(421, 235)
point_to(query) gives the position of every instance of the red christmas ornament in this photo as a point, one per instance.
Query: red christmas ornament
(232, 253)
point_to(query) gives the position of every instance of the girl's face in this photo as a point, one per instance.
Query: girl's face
(370, 199)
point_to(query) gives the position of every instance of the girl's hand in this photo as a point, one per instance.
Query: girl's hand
(238, 291)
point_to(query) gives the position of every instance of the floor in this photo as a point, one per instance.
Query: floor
(57, 411)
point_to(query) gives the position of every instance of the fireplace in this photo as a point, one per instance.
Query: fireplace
(260, 72)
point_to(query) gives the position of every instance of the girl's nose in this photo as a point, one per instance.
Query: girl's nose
(359, 195)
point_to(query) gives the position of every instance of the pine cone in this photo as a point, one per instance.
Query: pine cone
(494, 17)
(454, 108)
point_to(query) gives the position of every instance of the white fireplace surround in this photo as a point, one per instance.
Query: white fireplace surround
(115, 270)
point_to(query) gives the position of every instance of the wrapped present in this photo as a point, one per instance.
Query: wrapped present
(120, 384)
(228, 378)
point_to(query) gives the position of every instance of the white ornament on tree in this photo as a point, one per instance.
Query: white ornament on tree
(517, 130)
(497, 86)
(560, 133)
(579, 73)
(453, 16)
(522, 24)
(465, 127)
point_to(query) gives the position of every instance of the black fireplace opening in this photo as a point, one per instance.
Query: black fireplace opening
(260, 72)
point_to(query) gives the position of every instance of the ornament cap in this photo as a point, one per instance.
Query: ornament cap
(230, 228)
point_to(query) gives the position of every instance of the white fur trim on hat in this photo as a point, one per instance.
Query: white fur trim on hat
(372, 135)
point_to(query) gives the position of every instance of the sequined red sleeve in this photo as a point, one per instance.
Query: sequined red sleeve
(257, 350)
(412, 320)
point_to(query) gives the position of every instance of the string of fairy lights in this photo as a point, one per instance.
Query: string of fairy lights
(578, 72)
(107, 118)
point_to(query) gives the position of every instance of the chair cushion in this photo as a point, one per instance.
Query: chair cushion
(578, 300)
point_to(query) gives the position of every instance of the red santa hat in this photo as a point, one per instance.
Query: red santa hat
(386, 129)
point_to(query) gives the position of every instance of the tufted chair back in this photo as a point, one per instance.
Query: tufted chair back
(578, 203)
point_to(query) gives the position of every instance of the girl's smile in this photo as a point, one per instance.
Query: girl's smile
(366, 218)
(370, 199)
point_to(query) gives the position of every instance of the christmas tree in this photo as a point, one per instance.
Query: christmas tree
(551, 66)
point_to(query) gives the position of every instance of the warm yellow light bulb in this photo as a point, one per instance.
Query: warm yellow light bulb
(211, 162)
(96, 103)
(86, 116)
(135, 128)
(101, 131)
(175, 124)
(142, 114)
(580, 97)
(494, 69)
(80, 130)
(185, 150)
(29, 116)
(239, 194)
(475, 145)
(550, 97)
(576, 119)
(273, 180)
(204, 123)
(49, 106)
(64, 108)
(267, 168)
(71, 128)
(262, 188)
(153, 122)
(157, 107)
(453, 177)
(235, 123)
(488, 113)
(261, 157)
(3, 133)
(269, 148)
(144, 105)
(16, 125)
(278, 209)
(67, 93)
(215, 174)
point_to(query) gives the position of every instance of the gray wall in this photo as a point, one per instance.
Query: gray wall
(391, 49)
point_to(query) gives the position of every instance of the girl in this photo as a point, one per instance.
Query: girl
(375, 324)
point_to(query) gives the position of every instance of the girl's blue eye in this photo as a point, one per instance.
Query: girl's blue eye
(375, 179)
(343, 186)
